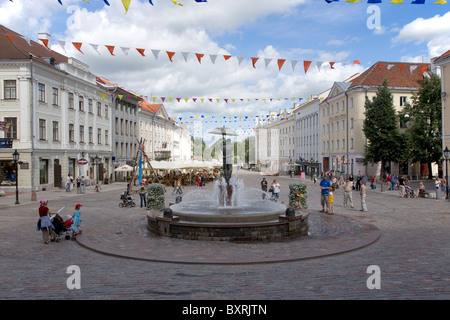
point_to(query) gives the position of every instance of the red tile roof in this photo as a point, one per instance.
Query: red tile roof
(14, 46)
(398, 75)
(145, 105)
(446, 54)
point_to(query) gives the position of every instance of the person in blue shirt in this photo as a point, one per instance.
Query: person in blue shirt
(325, 186)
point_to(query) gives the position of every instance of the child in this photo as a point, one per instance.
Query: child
(76, 220)
(330, 203)
(69, 222)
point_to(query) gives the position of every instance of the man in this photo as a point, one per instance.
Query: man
(348, 188)
(68, 182)
(325, 186)
(363, 190)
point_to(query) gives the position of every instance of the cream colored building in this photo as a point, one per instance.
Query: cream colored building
(443, 62)
(342, 116)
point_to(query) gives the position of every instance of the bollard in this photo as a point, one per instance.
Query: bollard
(168, 213)
(290, 212)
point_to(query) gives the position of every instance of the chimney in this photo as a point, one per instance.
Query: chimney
(44, 38)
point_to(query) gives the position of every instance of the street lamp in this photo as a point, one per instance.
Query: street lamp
(16, 159)
(446, 156)
(97, 159)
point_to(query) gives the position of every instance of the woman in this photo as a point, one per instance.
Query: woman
(44, 224)
(276, 189)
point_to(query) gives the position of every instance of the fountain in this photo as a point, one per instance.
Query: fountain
(230, 212)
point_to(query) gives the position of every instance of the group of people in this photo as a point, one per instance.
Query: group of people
(274, 189)
(45, 225)
(80, 181)
(329, 184)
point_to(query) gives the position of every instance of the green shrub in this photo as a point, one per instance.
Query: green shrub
(298, 190)
(155, 196)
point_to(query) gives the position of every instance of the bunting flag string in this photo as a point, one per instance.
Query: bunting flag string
(199, 56)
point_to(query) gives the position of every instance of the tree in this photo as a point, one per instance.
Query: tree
(381, 128)
(425, 123)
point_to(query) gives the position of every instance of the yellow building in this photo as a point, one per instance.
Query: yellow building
(342, 116)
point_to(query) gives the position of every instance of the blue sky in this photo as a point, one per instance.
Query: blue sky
(284, 29)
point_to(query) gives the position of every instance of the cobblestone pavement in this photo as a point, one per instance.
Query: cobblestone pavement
(412, 252)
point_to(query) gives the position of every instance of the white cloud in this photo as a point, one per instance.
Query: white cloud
(435, 31)
(191, 29)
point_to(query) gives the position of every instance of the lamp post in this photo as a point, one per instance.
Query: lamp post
(96, 159)
(446, 156)
(16, 159)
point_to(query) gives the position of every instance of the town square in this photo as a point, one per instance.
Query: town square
(224, 155)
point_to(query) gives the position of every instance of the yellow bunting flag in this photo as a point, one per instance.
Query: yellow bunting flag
(103, 96)
(120, 96)
(126, 5)
(397, 1)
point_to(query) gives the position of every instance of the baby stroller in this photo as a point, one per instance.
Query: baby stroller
(60, 228)
(409, 193)
(127, 200)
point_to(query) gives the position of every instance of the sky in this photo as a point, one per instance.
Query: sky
(293, 30)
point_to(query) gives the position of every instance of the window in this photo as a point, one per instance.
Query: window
(42, 130)
(351, 103)
(80, 103)
(351, 143)
(10, 90)
(71, 103)
(81, 134)
(106, 111)
(55, 131)
(117, 125)
(55, 94)
(91, 135)
(351, 123)
(106, 137)
(99, 136)
(12, 131)
(90, 106)
(43, 171)
(99, 108)
(403, 101)
(337, 144)
(343, 144)
(71, 132)
(41, 88)
(343, 124)
(343, 106)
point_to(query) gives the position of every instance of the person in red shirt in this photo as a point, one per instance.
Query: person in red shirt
(45, 224)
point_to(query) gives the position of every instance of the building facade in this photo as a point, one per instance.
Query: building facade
(56, 113)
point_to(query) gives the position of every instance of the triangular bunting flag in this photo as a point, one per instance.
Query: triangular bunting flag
(78, 45)
(356, 62)
(281, 63)
(110, 49)
(306, 65)
(293, 64)
(125, 50)
(141, 51)
(155, 53)
(213, 58)
(44, 42)
(319, 65)
(199, 57)
(62, 44)
(95, 47)
(185, 55)
(103, 96)
(400, 67)
(240, 59)
(380, 65)
(332, 65)
(226, 57)
(423, 69)
(412, 68)
(170, 54)
(120, 96)
(126, 5)
(267, 61)
(254, 60)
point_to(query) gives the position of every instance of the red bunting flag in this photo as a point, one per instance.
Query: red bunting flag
(110, 49)
(280, 63)
(306, 65)
(332, 64)
(226, 57)
(400, 67)
(423, 69)
(356, 62)
(170, 54)
(141, 51)
(44, 41)
(199, 57)
(380, 65)
(254, 60)
(78, 45)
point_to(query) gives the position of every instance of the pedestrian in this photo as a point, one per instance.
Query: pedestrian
(199, 182)
(68, 183)
(143, 196)
(358, 184)
(348, 190)
(44, 223)
(276, 189)
(351, 179)
(174, 185)
(363, 191)
(330, 202)
(372, 182)
(76, 218)
(264, 187)
(315, 178)
(325, 186)
(401, 184)
(178, 186)
(82, 184)
(438, 188)
(389, 181)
